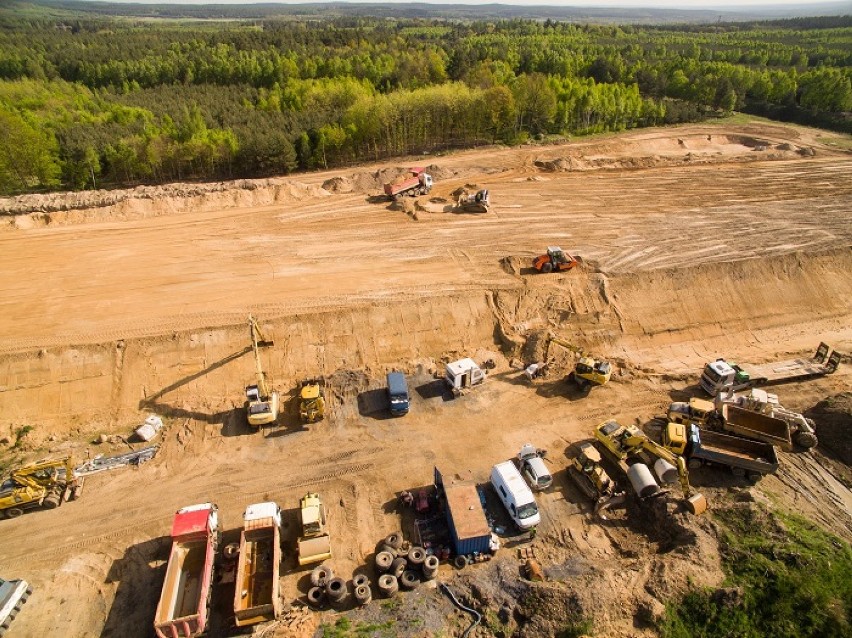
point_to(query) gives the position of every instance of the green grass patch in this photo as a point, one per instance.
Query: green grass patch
(576, 629)
(785, 578)
(345, 628)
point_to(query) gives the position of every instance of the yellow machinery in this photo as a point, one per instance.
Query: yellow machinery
(586, 471)
(314, 544)
(261, 400)
(588, 370)
(624, 442)
(698, 411)
(674, 437)
(311, 401)
(46, 484)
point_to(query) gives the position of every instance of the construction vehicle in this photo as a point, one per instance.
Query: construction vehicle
(256, 596)
(477, 202)
(463, 374)
(588, 371)
(629, 442)
(698, 411)
(415, 182)
(802, 429)
(311, 401)
(45, 484)
(724, 376)
(744, 457)
(745, 423)
(261, 399)
(314, 545)
(13, 595)
(184, 607)
(556, 260)
(586, 471)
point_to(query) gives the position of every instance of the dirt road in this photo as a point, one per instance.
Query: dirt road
(698, 242)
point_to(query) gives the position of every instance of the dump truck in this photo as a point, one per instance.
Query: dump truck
(724, 376)
(184, 606)
(13, 594)
(556, 260)
(735, 420)
(623, 443)
(311, 401)
(463, 374)
(802, 429)
(415, 182)
(256, 594)
(45, 484)
(744, 457)
(314, 545)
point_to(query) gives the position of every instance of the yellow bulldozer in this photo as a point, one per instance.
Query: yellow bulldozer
(45, 484)
(311, 401)
(623, 442)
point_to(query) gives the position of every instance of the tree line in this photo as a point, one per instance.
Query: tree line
(96, 102)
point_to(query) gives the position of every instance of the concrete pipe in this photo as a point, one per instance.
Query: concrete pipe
(642, 480)
(666, 471)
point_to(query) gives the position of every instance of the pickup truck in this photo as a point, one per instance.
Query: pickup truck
(256, 597)
(752, 425)
(751, 459)
(417, 182)
(184, 606)
(13, 594)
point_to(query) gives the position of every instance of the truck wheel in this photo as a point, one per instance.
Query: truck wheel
(14, 512)
(806, 439)
(547, 267)
(321, 575)
(460, 561)
(409, 579)
(738, 472)
(316, 597)
(416, 556)
(335, 589)
(430, 567)
(390, 550)
(753, 477)
(388, 585)
(394, 540)
(51, 502)
(694, 464)
(398, 566)
(363, 594)
(384, 560)
(359, 580)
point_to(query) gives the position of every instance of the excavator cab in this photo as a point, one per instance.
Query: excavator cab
(590, 371)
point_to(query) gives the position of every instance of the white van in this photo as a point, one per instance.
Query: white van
(515, 494)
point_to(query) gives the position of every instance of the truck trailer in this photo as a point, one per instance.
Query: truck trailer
(184, 607)
(735, 420)
(256, 595)
(415, 182)
(751, 459)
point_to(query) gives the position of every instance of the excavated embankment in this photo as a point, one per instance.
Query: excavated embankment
(201, 373)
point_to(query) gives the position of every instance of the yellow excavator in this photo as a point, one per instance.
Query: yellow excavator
(44, 484)
(588, 371)
(628, 441)
(261, 399)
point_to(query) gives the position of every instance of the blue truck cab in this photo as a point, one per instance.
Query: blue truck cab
(398, 393)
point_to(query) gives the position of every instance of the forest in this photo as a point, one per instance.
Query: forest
(91, 101)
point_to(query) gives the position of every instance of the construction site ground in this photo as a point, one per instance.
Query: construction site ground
(698, 242)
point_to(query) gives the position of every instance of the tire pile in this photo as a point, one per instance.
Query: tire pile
(397, 563)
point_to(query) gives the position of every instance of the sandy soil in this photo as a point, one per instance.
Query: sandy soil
(698, 242)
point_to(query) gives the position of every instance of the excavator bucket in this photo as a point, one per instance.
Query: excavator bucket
(696, 504)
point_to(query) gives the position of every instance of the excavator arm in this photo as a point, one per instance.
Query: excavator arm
(695, 502)
(258, 340)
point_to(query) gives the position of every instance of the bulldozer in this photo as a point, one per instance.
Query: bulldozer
(588, 371)
(623, 442)
(261, 399)
(556, 260)
(314, 543)
(311, 401)
(586, 471)
(45, 484)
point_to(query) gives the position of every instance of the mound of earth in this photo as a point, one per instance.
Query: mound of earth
(833, 418)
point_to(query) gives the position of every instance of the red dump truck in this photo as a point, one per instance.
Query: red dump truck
(256, 597)
(184, 604)
(415, 182)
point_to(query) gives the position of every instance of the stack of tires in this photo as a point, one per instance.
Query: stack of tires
(326, 589)
(401, 568)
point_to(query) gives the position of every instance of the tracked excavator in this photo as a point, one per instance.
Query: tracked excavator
(261, 399)
(46, 484)
(588, 371)
(623, 442)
